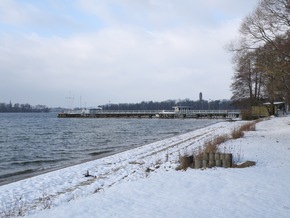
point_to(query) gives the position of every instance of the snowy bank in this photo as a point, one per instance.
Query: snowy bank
(143, 182)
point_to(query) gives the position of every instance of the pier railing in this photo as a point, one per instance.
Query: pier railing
(150, 113)
(153, 112)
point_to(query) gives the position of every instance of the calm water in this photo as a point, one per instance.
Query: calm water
(35, 143)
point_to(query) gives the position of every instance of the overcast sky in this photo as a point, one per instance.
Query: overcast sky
(116, 51)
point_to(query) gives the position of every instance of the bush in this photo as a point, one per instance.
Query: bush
(211, 146)
(247, 115)
(249, 126)
(184, 162)
(237, 133)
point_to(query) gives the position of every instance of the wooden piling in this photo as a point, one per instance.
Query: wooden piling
(197, 164)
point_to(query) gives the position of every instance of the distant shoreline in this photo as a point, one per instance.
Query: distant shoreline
(23, 112)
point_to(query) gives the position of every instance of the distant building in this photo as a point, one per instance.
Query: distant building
(94, 110)
(181, 109)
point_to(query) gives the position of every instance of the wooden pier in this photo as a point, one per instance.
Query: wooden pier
(162, 114)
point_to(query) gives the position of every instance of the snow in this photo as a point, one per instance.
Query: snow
(143, 182)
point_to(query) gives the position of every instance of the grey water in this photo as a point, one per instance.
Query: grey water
(35, 143)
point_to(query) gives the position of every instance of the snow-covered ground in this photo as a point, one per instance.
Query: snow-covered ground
(143, 182)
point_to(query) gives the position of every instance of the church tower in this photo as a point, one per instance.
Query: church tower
(200, 96)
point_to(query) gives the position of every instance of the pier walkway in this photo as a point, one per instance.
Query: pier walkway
(169, 114)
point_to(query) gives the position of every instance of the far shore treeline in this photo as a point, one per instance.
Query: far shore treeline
(22, 108)
(144, 105)
(169, 104)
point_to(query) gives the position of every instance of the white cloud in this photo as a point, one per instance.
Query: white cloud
(124, 61)
(11, 12)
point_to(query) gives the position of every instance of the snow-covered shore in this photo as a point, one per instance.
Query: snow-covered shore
(143, 182)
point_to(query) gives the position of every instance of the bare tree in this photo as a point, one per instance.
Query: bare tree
(247, 80)
(276, 70)
(261, 54)
(270, 20)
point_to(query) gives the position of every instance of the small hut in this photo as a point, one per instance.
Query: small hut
(181, 109)
(268, 109)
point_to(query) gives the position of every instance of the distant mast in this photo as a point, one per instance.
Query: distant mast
(70, 102)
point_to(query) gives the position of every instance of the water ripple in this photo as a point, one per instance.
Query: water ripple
(34, 143)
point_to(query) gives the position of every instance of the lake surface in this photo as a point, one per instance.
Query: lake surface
(34, 143)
